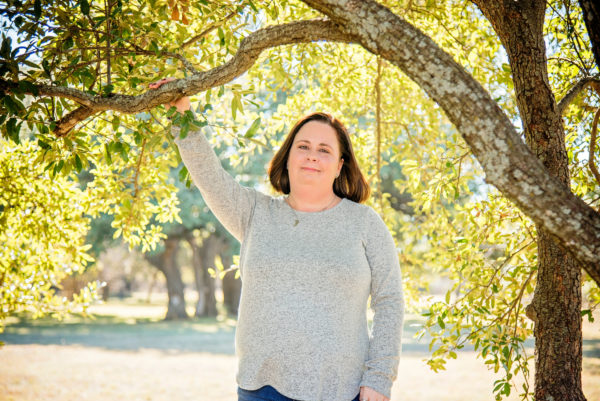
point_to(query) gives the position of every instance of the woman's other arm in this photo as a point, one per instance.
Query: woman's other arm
(387, 303)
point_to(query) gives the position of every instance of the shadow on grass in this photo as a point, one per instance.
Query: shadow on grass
(112, 332)
(126, 334)
(212, 335)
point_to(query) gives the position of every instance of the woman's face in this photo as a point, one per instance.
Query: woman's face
(314, 158)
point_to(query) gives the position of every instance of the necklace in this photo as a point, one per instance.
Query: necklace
(294, 211)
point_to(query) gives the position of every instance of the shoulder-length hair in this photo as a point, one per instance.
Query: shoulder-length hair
(349, 184)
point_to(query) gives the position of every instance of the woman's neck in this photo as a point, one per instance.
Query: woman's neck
(312, 201)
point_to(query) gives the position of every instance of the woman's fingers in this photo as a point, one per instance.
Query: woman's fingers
(158, 83)
(182, 104)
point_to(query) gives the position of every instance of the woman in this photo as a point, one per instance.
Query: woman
(308, 263)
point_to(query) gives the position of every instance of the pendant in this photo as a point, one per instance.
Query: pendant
(296, 223)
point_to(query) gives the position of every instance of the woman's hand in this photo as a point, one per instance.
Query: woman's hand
(367, 393)
(182, 104)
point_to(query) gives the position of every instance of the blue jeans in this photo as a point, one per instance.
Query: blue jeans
(266, 393)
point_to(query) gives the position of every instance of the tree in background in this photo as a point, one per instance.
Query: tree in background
(42, 222)
(487, 69)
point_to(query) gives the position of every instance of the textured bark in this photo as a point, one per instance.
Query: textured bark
(557, 311)
(556, 306)
(591, 16)
(166, 262)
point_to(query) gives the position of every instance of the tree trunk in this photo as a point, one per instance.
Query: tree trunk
(166, 262)
(232, 287)
(557, 316)
(203, 258)
(591, 16)
(556, 306)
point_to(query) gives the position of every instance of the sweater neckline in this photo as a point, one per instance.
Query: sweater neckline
(316, 213)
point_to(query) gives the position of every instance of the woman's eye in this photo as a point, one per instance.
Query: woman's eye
(303, 147)
(325, 150)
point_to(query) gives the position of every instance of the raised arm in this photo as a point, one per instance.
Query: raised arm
(231, 202)
(387, 303)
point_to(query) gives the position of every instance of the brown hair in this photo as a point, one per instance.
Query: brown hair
(350, 184)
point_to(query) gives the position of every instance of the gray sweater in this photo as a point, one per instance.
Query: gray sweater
(302, 322)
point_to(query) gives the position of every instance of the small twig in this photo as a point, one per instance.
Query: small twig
(108, 74)
(574, 91)
(136, 184)
(207, 31)
(593, 138)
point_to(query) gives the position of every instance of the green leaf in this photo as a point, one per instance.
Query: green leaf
(6, 47)
(252, 130)
(183, 173)
(116, 123)
(43, 145)
(107, 156)
(78, 163)
(85, 7)
(221, 36)
(107, 89)
(588, 313)
(120, 147)
(13, 105)
(154, 47)
(12, 129)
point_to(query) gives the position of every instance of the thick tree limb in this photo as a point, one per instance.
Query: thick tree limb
(507, 161)
(66, 124)
(574, 91)
(250, 49)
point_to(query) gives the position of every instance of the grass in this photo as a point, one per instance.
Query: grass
(128, 352)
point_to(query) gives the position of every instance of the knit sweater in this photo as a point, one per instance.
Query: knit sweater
(302, 319)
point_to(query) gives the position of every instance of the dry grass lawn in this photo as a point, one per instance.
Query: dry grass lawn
(127, 354)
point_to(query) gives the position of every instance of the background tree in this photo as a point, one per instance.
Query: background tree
(86, 72)
(35, 256)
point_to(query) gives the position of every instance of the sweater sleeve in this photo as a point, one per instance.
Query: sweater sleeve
(387, 304)
(231, 203)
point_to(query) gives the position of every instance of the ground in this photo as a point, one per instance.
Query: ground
(128, 353)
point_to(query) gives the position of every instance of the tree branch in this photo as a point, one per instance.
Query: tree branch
(507, 161)
(248, 52)
(593, 138)
(574, 91)
(67, 122)
(207, 30)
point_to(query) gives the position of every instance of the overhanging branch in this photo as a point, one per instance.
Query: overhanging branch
(507, 161)
(248, 52)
